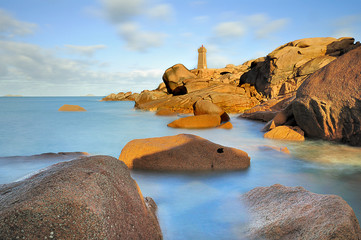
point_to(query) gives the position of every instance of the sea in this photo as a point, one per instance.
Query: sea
(193, 205)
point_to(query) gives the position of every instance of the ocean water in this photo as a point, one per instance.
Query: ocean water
(196, 205)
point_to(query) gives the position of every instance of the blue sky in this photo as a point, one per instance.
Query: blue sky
(72, 48)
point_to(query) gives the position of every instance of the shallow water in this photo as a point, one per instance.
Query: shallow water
(198, 205)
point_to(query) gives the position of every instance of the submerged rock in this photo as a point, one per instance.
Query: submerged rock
(71, 108)
(87, 198)
(279, 212)
(182, 152)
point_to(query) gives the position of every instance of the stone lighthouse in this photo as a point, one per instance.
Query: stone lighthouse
(202, 60)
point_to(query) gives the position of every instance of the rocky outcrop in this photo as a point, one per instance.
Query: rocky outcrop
(230, 98)
(121, 96)
(71, 108)
(87, 198)
(279, 212)
(284, 69)
(328, 104)
(197, 122)
(165, 112)
(286, 133)
(269, 109)
(182, 152)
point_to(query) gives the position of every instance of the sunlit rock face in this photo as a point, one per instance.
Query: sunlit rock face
(285, 68)
(182, 152)
(87, 198)
(279, 212)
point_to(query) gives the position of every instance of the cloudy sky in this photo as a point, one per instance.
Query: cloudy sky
(72, 48)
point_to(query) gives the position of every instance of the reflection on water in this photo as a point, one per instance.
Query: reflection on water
(195, 205)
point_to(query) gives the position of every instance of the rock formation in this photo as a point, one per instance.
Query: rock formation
(328, 104)
(279, 212)
(87, 198)
(182, 152)
(71, 108)
(121, 96)
(284, 69)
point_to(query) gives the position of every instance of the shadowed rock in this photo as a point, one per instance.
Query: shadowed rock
(328, 104)
(71, 108)
(279, 212)
(202, 107)
(182, 152)
(87, 198)
(174, 77)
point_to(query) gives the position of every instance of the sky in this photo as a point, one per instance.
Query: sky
(75, 48)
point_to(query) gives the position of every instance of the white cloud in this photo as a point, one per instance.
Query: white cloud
(28, 69)
(138, 39)
(10, 27)
(124, 14)
(229, 30)
(87, 51)
(118, 11)
(271, 27)
(161, 12)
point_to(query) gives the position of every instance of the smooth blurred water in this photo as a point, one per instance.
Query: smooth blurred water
(198, 205)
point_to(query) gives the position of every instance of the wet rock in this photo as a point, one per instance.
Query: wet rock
(182, 152)
(286, 133)
(87, 198)
(227, 125)
(71, 108)
(199, 121)
(279, 212)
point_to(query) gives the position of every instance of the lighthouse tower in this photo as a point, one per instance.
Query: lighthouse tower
(202, 60)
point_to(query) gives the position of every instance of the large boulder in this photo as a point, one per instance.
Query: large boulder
(279, 212)
(284, 69)
(87, 198)
(71, 108)
(202, 107)
(328, 104)
(197, 122)
(182, 152)
(174, 77)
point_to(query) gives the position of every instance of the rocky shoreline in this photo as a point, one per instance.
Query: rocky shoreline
(305, 88)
